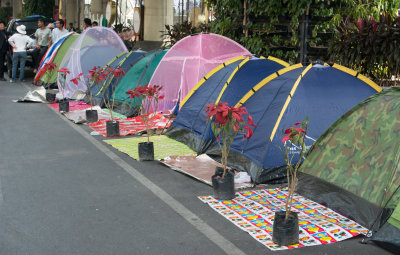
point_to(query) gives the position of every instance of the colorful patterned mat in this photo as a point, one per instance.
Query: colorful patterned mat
(254, 212)
(73, 105)
(163, 146)
(132, 125)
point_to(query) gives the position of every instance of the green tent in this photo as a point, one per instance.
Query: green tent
(139, 74)
(51, 78)
(354, 167)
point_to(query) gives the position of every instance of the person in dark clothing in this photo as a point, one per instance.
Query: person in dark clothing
(3, 48)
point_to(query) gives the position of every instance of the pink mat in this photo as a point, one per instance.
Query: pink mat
(132, 125)
(73, 105)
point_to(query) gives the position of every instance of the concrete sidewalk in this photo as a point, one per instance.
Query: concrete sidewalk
(63, 191)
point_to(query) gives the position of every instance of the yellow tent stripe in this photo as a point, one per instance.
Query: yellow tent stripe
(230, 78)
(288, 101)
(211, 73)
(279, 61)
(266, 81)
(359, 76)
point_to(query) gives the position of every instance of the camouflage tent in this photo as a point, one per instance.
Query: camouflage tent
(354, 167)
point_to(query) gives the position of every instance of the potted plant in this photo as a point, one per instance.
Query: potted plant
(49, 67)
(150, 96)
(227, 123)
(95, 76)
(286, 223)
(63, 103)
(112, 126)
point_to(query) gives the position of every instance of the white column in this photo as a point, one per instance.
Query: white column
(157, 13)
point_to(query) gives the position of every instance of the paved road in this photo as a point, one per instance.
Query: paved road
(63, 191)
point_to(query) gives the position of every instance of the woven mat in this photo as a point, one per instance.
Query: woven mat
(253, 212)
(132, 125)
(73, 106)
(163, 146)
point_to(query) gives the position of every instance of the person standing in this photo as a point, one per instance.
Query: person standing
(87, 23)
(43, 40)
(59, 31)
(3, 48)
(20, 42)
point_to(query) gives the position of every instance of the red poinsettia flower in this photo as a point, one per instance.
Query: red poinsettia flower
(285, 138)
(132, 93)
(75, 80)
(118, 72)
(65, 71)
(50, 66)
(248, 132)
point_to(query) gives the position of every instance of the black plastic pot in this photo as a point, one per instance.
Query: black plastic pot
(285, 232)
(91, 116)
(112, 128)
(146, 151)
(50, 97)
(224, 189)
(63, 105)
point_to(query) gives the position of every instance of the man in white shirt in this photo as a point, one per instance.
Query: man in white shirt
(19, 42)
(59, 31)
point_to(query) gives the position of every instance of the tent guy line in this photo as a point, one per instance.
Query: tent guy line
(180, 209)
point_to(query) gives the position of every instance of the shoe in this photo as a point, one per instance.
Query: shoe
(12, 81)
(2, 79)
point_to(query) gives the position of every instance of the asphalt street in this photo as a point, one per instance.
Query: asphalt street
(63, 191)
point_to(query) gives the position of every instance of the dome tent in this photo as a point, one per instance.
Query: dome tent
(188, 61)
(54, 55)
(138, 74)
(231, 79)
(321, 92)
(95, 47)
(354, 167)
(287, 96)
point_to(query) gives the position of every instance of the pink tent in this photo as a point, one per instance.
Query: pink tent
(188, 61)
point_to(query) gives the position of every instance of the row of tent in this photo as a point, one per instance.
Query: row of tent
(353, 164)
(180, 67)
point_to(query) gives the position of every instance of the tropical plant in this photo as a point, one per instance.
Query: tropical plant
(227, 123)
(95, 77)
(108, 74)
(43, 7)
(63, 73)
(176, 32)
(273, 27)
(49, 69)
(149, 95)
(294, 138)
(369, 46)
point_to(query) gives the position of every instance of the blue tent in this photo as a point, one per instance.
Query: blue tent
(227, 82)
(322, 92)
